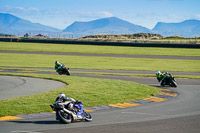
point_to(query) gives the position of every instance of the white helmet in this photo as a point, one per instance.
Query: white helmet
(61, 95)
(158, 72)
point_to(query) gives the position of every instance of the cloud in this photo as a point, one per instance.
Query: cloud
(19, 10)
(54, 12)
(105, 14)
(83, 14)
(198, 16)
(56, 17)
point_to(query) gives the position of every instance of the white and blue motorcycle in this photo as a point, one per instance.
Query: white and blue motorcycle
(69, 111)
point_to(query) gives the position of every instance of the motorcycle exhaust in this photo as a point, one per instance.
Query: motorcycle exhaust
(75, 117)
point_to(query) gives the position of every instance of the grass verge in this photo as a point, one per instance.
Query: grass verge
(32, 70)
(44, 47)
(91, 91)
(87, 62)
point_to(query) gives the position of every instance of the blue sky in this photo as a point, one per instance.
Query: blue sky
(62, 13)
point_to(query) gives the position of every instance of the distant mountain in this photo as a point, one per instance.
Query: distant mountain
(110, 25)
(11, 24)
(187, 28)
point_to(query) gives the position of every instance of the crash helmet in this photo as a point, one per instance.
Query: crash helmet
(57, 63)
(158, 73)
(61, 95)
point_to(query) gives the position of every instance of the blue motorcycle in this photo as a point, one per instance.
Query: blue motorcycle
(67, 112)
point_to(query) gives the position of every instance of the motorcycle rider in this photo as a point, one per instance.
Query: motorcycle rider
(161, 77)
(62, 98)
(58, 66)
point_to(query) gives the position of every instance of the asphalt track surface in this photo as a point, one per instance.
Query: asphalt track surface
(12, 86)
(105, 55)
(180, 114)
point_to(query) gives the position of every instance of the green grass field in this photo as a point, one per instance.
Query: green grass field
(91, 91)
(18, 46)
(87, 62)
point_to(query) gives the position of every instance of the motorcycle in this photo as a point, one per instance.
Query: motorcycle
(67, 112)
(169, 80)
(64, 70)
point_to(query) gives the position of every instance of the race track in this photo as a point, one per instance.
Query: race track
(178, 114)
(183, 110)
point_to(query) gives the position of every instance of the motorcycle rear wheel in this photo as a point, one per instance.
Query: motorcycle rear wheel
(63, 117)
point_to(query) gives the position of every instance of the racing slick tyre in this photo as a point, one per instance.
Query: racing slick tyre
(88, 116)
(63, 117)
(173, 83)
(67, 72)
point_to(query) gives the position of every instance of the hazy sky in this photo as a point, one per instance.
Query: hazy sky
(62, 13)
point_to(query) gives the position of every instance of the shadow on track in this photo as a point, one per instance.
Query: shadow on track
(50, 122)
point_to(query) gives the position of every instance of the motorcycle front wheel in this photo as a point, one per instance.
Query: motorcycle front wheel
(63, 117)
(173, 83)
(68, 72)
(88, 116)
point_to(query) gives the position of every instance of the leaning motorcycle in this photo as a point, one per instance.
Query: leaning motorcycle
(64, 70)
(169, 80)
(67, 112)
